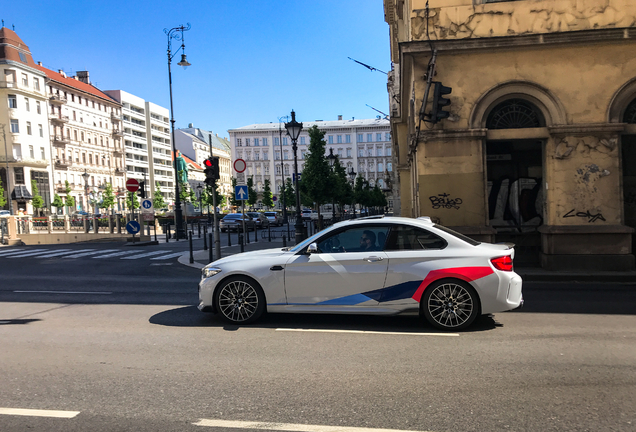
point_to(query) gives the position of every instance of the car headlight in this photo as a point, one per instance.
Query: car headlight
(207, 272)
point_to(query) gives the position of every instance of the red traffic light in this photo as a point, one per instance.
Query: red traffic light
(208, 163)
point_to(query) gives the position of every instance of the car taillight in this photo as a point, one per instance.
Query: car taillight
(503, 263)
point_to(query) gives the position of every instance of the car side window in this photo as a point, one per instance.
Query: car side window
(355, 239)
(403, 238)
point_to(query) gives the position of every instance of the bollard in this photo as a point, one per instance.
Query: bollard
(199, 228)
(269, 228)
(167, 230)
(255, 234)
(154, 227)
(191, 251)
(284, 240)
(247, 233)
(211, 248)
(205, 238)
(229, 238)
(241, 242)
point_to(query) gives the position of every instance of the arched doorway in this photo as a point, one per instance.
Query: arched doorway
(628, 155)
(514, 174)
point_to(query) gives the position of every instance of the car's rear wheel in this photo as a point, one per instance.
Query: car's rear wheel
(450, 304)
(240, 300)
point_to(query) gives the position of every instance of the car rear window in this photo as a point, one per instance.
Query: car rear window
(458, 235)
(233, 216)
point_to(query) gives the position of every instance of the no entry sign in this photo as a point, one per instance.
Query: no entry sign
(132, 185)
(239, 165)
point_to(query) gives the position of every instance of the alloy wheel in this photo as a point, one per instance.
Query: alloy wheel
(239, 301)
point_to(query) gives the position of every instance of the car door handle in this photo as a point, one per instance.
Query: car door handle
(373, 259)
(276, 268)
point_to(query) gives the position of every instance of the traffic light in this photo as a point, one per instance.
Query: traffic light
(142, 189)
(211, 170)
(439, 102)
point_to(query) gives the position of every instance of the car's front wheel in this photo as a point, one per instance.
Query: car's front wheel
(240, 300)
(450, 304)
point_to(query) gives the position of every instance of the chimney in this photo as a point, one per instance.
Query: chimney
(339, 117)
(83, 77)
(190, 125)
(39, 63)
(61, 72)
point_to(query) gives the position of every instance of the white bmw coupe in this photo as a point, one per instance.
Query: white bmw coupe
(375, 265)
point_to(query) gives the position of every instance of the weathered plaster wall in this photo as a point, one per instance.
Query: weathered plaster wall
(584, 180)
(519, 18)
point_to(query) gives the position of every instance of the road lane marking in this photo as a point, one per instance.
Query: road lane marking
(25, 254)
(58, 253)
(79, 255)
(145, 255)
(22, 251)
(115, 254)
(368, 332)
(289, 426)
(13, 250)
(38, 413)
(65, 292)
(173, 255)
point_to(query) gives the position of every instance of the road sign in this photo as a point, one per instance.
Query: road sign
(133, 227)
(239, 165)
(146, 206)
(132, 185)
(294, 176)
(240, 193)
(274, 198)
(148, 217)
(240, 178)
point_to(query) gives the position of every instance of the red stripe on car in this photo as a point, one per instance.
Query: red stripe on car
(467, 274)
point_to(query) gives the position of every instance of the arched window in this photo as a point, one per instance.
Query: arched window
(515, 114)
(630, 113)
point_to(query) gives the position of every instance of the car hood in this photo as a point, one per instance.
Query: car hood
(260, 254)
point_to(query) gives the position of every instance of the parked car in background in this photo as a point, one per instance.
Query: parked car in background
(261, 220)
(308, 214)
(275, 218)
(234, 222)
(4, 212)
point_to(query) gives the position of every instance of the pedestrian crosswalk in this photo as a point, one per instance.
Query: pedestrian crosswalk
(66, 253)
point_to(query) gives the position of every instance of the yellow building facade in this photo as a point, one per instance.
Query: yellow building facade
(540, 144)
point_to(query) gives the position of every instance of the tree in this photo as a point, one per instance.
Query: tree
(157, 199)
(108, 197)
(233, 201)
(131, 201)
(252, 196)
(57, 202)
(317, 178)
(37, 202)
(290, 193)
(69, 200)
(3, 200)
(267, 195)
(360, 191)
(377, 197)
(343, 189)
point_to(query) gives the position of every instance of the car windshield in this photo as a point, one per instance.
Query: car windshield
(304, 244)
(270, 214)
(458, 235)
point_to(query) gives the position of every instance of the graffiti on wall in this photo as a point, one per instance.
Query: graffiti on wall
(589, 216)
(444, 200)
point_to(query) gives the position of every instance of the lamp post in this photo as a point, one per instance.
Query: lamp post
(86, 175)
(352, 175)
(293, 130)
(282, 168)
(177, 34)
(332, 161)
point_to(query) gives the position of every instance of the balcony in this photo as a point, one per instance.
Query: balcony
(60, 141)
(60, 188)
(118, 133)
(115, 117)
(118, 151)
(120, 171)
(56, 99)
(56, 118)
(63, 163)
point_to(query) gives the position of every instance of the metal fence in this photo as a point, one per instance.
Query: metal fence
(57, 224)
(4, 230)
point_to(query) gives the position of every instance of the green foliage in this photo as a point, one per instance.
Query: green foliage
(233, 201)
(69, 200)
(317, 177)
(3, 200)
(252, 196)
(108, 197)
(157, 200)
(343, 192)
(361, 191)
(290, 195)
(184, 192)
(37, 202)
(267, 195)
(57, 201)
(378, 199)
(131, 201)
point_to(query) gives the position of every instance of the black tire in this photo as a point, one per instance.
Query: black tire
(239, 300)
(450, 304)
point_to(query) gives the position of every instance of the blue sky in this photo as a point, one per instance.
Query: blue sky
(252, 61)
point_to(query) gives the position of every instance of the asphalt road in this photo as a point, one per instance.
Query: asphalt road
(144, 358)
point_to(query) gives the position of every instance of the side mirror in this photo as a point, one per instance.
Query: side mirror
(313, 248)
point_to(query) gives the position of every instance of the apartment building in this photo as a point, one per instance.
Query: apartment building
(84, 126)
(195, 143)
(25, 147)
(539, 148)
(363, 146)
(147, 143)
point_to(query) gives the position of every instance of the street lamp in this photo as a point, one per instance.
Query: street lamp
(352, 175)
(293, 130)
(282, 169)
(332, 161)
(177, 34)
(86, 175)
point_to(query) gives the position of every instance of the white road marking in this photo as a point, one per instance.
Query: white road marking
(79, 255)
(115, 254)
(161, 264)
(288, 426)
(25, 254)
(163, 257)
(368, 332)
(38, 413)
(66, 252)
(146, 254)
(65, 292)
(14, 252)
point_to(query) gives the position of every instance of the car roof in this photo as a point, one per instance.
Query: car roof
(422, 221)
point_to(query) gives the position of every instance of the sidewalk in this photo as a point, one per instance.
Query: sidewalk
(529, 274)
